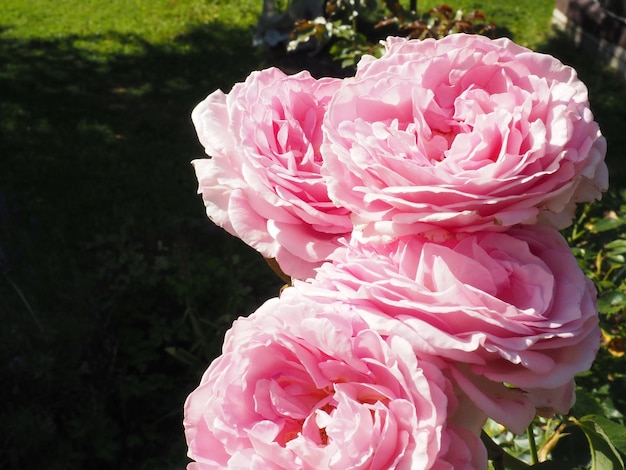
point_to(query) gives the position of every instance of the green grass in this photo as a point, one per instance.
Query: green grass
(115, 290)
(108, 264)
(157, 21)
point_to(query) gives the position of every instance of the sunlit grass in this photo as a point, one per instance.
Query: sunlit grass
(99, 25)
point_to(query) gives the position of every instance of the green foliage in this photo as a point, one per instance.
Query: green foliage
(351, 29)
(527, 22)
(604, 438)
(598, 241)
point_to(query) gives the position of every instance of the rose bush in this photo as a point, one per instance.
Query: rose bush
(417, 207)
(501, 307)
(306, 385)
(461, 134)
(262, 182)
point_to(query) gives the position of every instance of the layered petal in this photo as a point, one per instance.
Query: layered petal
(503, 307)
(461, 134)
(263, 182)
(307, 385)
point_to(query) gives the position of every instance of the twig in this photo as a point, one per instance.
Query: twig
(23, 298)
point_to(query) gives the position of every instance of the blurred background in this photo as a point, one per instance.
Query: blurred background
(115, 289)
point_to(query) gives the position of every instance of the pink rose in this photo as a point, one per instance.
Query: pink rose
(502, 307)
(262, 182)
(304, 385)
(461, 134)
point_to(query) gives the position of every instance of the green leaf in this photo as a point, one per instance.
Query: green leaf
(604, 455)
(616, 258)
(616, 433)
(602, 225)
(617, 246)
(611, 302)
(586, 403)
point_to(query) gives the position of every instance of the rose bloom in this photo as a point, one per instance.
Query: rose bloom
(464, 133)
(502, 307)
(262, 182)
(308, 386)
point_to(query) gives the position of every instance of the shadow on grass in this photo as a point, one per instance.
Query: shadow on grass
(115, 290)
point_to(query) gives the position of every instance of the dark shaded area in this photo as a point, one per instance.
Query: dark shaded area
(115, 290)
(572, 450)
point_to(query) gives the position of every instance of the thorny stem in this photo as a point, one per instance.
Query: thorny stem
(551, 443)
